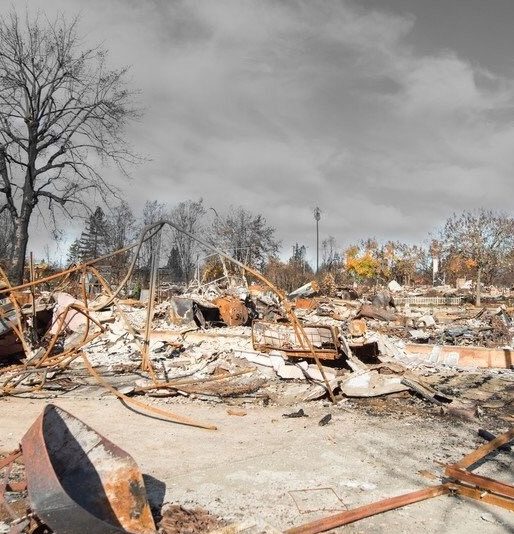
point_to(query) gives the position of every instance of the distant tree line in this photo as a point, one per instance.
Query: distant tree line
(238, 232)
(477, 245)
(474, 244)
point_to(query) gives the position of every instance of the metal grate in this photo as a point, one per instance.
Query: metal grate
(429, 301)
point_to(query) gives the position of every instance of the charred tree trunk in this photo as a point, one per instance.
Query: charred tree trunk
(21, 237)
(7, 190)
(71, 104)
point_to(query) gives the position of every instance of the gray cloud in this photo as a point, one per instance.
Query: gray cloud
(282, 106)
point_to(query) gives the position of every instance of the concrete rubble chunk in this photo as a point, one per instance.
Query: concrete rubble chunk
(426, 321)
(255, 357)
(293, 372)
(371, 384)
(307, 290)
(394, 286)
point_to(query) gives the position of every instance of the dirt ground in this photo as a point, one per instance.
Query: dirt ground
(267, 473)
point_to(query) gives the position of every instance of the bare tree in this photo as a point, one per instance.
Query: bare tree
(61, 108)
(121, 231)
(153, 212)
(188, 216)
(121, 227)
(330, 257)
(484, 237)
(245, 236)
(293, 273)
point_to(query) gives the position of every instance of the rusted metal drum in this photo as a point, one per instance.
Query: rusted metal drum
(81, 483)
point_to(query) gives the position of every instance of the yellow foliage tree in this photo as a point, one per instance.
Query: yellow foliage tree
(363, 266)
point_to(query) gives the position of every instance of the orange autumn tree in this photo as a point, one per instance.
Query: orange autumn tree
(460, 267)
(484, 237)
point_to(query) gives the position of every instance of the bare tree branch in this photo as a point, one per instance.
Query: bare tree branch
(59, 105)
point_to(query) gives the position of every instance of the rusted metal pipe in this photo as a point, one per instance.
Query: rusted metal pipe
(368, 510)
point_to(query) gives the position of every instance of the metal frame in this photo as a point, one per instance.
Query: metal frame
(268, 336)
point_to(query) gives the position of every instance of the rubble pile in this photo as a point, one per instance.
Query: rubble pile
(237, 344)
(233, 340)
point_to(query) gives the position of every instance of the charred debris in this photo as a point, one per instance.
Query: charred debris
(240, 340)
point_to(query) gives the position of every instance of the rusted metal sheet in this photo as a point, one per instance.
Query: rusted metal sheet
(232, 310)
(305, 303)
(226, 310)
(257, 290)
(464, 356)
(275, 336)
(78, 481)
(10, 343)
(357, 327)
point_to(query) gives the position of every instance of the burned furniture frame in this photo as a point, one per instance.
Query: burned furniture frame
(268, 336)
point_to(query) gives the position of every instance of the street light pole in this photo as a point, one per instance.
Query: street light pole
(317, 217)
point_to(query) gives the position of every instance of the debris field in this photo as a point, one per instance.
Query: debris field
(230, 406)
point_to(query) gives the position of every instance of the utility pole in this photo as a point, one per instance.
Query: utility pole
(317, 217)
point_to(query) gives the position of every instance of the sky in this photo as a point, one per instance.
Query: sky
(389, 115)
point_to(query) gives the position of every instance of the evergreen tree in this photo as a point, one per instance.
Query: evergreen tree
(93, 240)
(175, 265)
(74, 252)
(298, 258)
